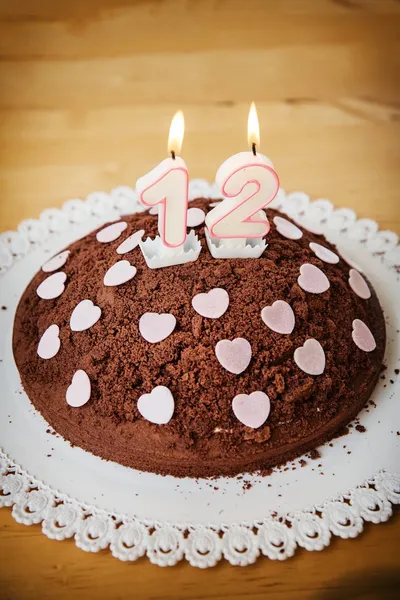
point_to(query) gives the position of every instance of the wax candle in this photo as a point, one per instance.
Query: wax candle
(249, 183)
(167, 186)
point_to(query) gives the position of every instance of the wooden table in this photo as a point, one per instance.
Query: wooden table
(87, 93)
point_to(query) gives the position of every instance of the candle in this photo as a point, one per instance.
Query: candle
(167, 186)
(249, 183)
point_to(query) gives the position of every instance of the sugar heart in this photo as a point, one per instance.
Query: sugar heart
(153, 210)
(158, 406)
(156, 327)
(119, 273)
(310, 357)
(195, 217)
(111, 232)
(79, 391)
(312, 279)
(279, 317)
(212, 304)
(84, 315)
(251, 410)
(234, 355)
(324, 253)
(49, 343)
(362, 336)
(214, 204)
(52, 287)
(56, 262)
(287, 229)
(359, 285)
(131, 242)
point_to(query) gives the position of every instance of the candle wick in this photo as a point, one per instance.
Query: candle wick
(253, 147)
(173, 154)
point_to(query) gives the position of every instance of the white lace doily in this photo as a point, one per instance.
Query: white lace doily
(101, 504)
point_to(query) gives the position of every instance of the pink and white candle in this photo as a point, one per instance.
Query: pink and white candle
(167, 186)
(249, 183)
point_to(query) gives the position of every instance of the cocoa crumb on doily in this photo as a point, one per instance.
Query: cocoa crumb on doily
(4, 308)
(397, 371)
(203, 437)
(360, 428)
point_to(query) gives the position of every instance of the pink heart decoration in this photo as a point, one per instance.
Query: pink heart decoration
(52, 287)
(359, 285)
(310, 357)
(213, 304)
(324, 253)
(279, 317)
(234, 355)
(49, 343)
(119, 273)
(362, 336)
(79, 391)
(287, 229)
(156, 327)
(153, 210)
(111, 232)
(252, 410)
(312, 279)
(131, 242)
(56, 262)
(158, 406)
(195, 217)
(214, 204)
(84, 315)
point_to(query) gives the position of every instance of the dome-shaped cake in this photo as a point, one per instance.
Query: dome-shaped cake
(208, 368)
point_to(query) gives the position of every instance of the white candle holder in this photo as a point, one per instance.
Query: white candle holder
(235, 247)
(157, 255)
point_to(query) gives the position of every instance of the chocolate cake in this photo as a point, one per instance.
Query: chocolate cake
(213, 367)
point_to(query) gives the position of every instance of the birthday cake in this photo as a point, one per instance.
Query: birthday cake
(213, 367)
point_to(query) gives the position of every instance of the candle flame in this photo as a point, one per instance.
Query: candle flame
(176, 132)
(253, 128)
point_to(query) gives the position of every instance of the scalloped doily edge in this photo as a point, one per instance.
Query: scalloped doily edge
(165, 544)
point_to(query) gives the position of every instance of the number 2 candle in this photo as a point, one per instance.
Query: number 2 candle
(249, 183)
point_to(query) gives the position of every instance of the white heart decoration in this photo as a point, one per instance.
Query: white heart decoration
(312, 279)
(235, 355)
(287, 229)
(359, 285)
(324, 254)
(252, 410)
(156, 327)
(362, 336)
(195, 217)
(131, 242)
(212, 304)
(158, 406)
(49, 343)
(310, 357)
(56, 262)
(52, 287)
(119, 273)
(111, 232)
(80, 390)
(84, 315)
(279, 317)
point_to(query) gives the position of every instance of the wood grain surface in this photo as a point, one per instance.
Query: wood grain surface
(87, 91)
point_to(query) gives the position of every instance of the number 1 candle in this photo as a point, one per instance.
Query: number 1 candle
(249, 183)
(167, 186)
